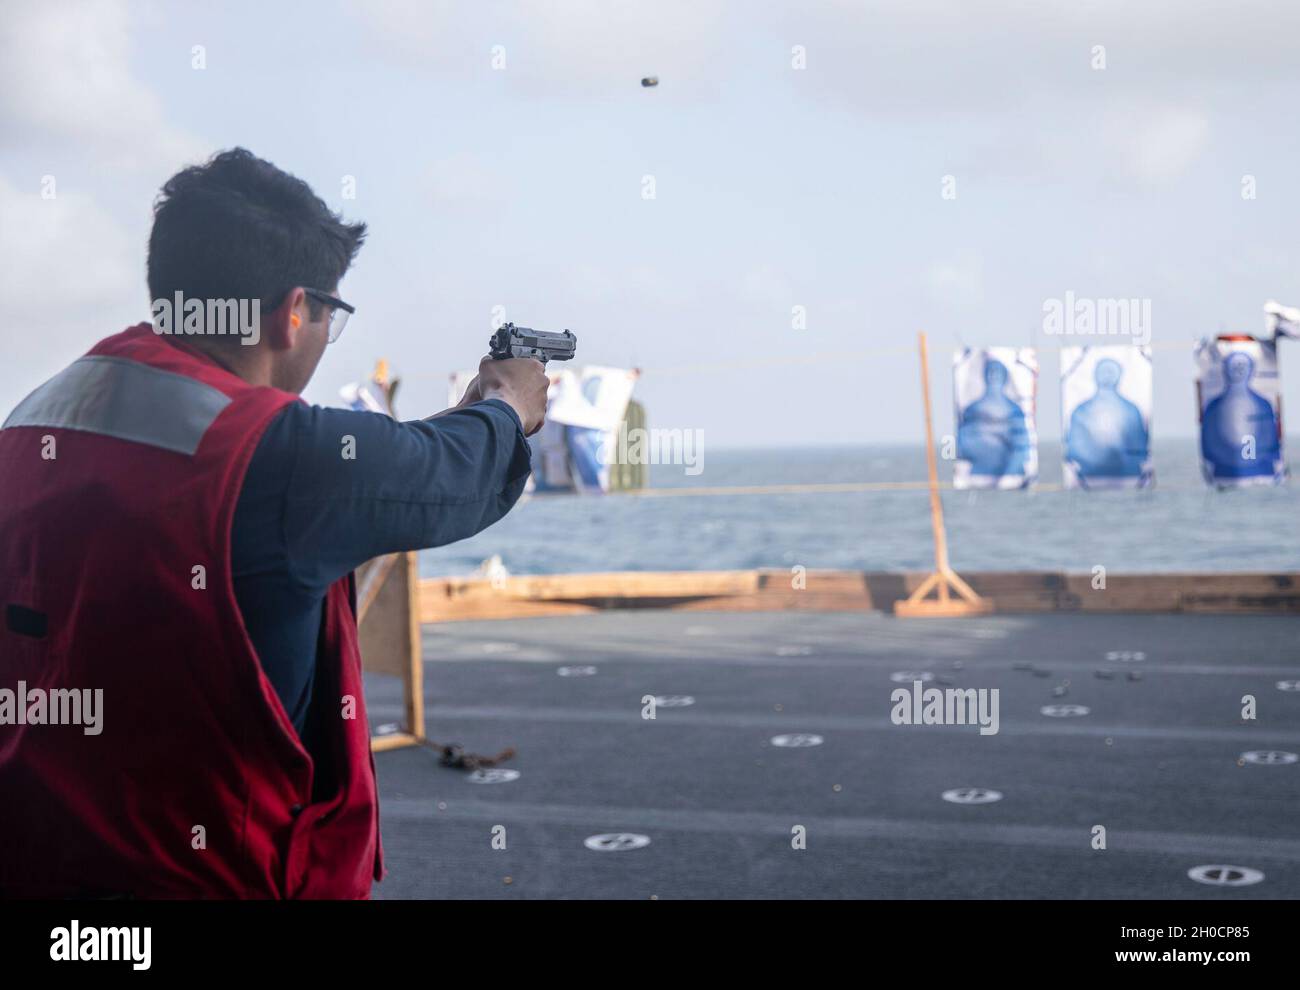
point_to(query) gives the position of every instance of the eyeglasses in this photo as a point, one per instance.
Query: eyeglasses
(339, 311)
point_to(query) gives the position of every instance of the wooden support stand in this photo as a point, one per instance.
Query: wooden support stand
(952, 595)
(388, 622)
(388, 616)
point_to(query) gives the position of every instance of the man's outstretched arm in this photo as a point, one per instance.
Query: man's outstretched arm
(394, 486)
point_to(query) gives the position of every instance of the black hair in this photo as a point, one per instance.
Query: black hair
(237, 227)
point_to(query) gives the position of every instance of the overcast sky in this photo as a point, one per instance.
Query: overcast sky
(522, 187)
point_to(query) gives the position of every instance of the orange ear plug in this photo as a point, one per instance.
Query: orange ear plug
(295, 320)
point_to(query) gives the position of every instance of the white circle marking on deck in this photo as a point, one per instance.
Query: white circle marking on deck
(674, 700)
(1220, 875)
(388, 729)
(907, 676)
(576, 671)
(616, 842)
(1269, 757)
(1064, 711)
(493, 775)
(972, 795)
(797, 739)
(1126, 656)
(1288, 685)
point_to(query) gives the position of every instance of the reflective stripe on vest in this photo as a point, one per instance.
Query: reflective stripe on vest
(116, 397)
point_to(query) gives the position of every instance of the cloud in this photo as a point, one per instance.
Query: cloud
(580, 48)
(66, 80)
(71, 104)
(957, 283)
(950, 56)
(69, 274)
(1162, 145)
(768, 287)
(648, 288)
(1011, 88)
(464, 180)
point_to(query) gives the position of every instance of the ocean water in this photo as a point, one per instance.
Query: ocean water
(1180, 525)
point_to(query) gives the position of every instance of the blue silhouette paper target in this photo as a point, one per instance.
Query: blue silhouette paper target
(1106, 417)
(1241, 412)
(994, 392)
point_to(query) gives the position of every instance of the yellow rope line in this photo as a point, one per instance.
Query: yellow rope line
(817, 357)
(851, 487)
(840, 356)
(803, 489)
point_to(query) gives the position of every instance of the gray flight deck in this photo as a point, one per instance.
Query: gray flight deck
(1157, 760)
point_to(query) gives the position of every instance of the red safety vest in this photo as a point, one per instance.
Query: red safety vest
(118, 484)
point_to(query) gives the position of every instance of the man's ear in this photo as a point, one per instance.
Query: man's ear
(284, 326)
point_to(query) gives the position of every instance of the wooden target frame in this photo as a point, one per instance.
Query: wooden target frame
(388, 631)
(953, 596)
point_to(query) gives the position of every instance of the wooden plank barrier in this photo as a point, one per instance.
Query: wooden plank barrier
(454, 599)
(388, 628)
(393, 603)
